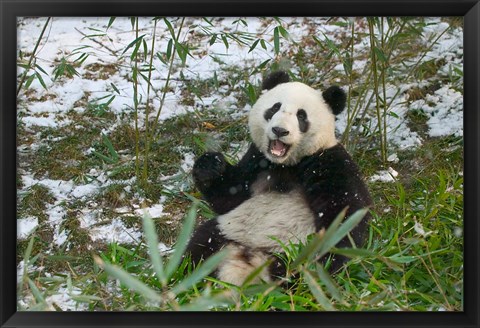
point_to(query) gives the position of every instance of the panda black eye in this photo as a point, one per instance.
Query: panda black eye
(303, 123)
(301, 115)
(271, 111)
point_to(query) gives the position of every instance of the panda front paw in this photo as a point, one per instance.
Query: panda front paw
(208, 168)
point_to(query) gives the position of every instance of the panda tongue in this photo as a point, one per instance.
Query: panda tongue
(278, 148)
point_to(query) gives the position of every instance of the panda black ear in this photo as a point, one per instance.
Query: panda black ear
(336, 98)
(275, 79)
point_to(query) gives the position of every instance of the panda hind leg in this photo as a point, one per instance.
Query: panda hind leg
(206, 241)
(240, 263)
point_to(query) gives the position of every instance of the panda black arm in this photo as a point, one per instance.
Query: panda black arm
(332, 181)
(223, 185)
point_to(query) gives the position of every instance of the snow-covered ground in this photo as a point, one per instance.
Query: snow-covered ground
(72, 37)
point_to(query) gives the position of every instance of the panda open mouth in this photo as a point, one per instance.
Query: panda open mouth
(278, 148)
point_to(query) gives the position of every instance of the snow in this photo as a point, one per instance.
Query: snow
(393, 158)
(84, 190)
(50, 108)
(88, 218)
(445, 111)
(63, 299)
(155, 211)
(116, 231)
(384, 176)
(26, 226)
(188, 161)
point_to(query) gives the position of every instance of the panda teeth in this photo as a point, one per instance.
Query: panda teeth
(278, 148)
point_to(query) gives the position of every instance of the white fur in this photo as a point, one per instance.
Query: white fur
(234, 269)
(293, 96)
(269, 214)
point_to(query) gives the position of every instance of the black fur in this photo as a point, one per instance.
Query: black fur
(274, 79)
(206, 241)
(303, 123)
(336, 98)
(225, 186)
(330, 181)
(271, 111)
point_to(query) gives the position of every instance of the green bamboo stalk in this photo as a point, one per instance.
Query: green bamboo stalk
(147, 106)
(350, 117)
(162, 101)
(24, 76)
(385, 108)
(135, 105)
(376, 86)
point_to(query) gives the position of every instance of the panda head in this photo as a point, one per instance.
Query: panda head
(291, 120)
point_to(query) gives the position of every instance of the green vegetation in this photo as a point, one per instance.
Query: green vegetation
(135, 158)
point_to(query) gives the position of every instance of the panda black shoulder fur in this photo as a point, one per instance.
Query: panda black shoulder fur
(293, 181)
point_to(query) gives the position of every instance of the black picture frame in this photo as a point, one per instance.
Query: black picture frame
(9, 10)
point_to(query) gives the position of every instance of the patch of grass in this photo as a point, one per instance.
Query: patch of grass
(420, 232)
(413, 257)
(99, 71)
(114, 196)
(78, 238)
(34, 202)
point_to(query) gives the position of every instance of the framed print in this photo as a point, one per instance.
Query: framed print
(236, 163)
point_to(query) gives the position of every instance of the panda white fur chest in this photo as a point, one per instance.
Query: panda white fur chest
(293, 181)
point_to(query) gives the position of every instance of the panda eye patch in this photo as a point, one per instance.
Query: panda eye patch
(302, 120)
(302, 115)
(271, 111)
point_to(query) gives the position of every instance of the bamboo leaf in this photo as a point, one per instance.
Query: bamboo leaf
(353, 252)
(225, 41)
(182, 241)
(109, 145)
(81, 59)
(169, 48)
(308, 251)
(332, 46)
(213, 39)
(182, 51)
(152, 242)
(317, 292)
(330, 284)
(263, 44)
(334, 235)
(283, 32)
(86, 298)
(26, 262)
(170, 29)
(206, 303)
(255, 273)
(254, 45)
(380, 55)
(133, 43)
(128, 280)
(200, 272)
(35, 291)
(145, 48)
(103, 157)
(276, 40)
(115, 88)
(318, 241)
(110, 22)
(135, 50)
(40, 69)
(29, 81)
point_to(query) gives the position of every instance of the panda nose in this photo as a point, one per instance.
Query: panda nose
(280, 132)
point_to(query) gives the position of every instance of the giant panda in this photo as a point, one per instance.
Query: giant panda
(293, 181)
